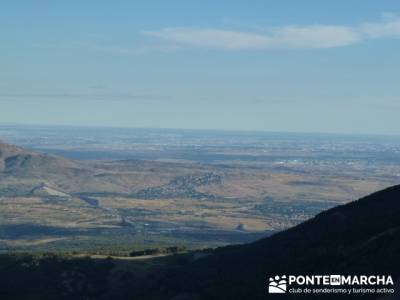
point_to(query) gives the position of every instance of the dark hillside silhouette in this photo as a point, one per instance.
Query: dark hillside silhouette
(360, 238)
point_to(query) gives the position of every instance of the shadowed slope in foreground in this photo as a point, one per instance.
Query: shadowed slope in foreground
(359, 238)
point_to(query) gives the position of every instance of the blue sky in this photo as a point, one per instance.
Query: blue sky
(315, 66)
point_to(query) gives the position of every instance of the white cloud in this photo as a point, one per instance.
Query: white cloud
(313, 36)
(381, 30)
(211, 38)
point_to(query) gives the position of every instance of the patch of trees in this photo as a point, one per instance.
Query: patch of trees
(159, 251)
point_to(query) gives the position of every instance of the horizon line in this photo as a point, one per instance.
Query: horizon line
(332, 133)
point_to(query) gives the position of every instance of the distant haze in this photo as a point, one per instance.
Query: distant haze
(296, 66)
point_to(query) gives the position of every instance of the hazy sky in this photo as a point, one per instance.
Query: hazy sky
(326, 66)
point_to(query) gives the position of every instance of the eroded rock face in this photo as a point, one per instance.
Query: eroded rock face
(44, 190)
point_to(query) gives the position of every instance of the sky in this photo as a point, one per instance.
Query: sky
(297, 66)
